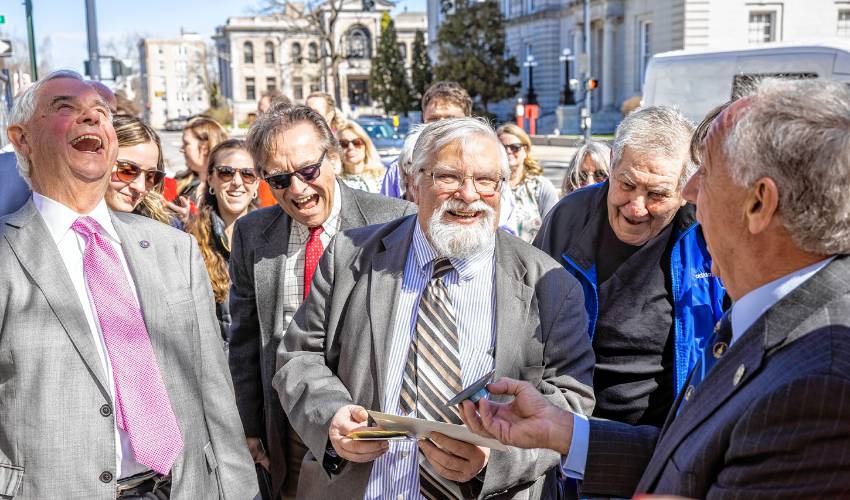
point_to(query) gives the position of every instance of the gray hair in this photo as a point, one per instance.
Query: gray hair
(797, 133)
(599, 153)
(25, 107)
(437, 135)
(659, 131)
(405, 158)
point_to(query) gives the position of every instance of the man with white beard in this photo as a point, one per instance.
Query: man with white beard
(402, 316)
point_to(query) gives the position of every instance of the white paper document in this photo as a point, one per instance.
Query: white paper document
(421, 429)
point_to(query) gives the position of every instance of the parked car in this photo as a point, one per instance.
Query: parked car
(386, 140)
(176, 124)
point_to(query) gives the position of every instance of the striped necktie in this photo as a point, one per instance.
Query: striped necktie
(432, 373)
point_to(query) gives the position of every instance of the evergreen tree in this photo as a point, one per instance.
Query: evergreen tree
(388, 77)
(472, 51)
(420, 74)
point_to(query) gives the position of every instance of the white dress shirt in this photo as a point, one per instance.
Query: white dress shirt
(745, 312)
(71, 246)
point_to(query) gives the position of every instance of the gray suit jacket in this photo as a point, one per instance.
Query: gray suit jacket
(335, 350)
(56, 420)
(771, 419)
(260, 243)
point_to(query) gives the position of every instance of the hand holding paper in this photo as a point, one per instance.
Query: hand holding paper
(348, 419)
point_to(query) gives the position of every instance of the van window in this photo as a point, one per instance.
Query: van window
(745, 84)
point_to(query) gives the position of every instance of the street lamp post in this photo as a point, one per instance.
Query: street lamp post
(567, 97)
(530, 63)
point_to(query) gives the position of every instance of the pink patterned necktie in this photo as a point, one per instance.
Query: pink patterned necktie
(142, 406)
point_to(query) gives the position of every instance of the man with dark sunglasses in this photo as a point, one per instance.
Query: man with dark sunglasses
(275, 251)
(108, 334)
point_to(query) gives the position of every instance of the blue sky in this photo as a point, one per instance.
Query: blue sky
(64, 22)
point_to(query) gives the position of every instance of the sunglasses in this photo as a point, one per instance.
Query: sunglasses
(357, 143)
(513, 148)
(307, 173)
(226, 174)
(127, 172)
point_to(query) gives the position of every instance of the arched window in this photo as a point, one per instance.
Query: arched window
(295, 53)
(269, 53)
(248, 53)
(313, 52)
(358, 43)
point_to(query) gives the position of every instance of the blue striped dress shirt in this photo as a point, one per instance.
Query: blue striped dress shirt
(470, 287)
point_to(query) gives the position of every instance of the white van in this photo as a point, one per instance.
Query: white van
(697, 80)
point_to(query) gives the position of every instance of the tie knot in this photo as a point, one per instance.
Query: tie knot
(316, 231)
(86, 226)
(442, 266)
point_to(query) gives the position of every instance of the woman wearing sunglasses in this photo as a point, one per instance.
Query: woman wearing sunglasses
(361, 165)
(588, 166)
(231, 190)
(534, 194)
(138, 172)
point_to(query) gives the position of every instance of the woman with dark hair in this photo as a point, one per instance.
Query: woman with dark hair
(232, 184)
(137, 176)
(200, 136)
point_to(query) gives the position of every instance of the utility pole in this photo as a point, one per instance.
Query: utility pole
(31, 38)
(91, 29)
(585, 112)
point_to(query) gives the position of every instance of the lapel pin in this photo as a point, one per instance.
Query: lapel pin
(719, 349)
(689, 393)
(739, 374)
(144, 243)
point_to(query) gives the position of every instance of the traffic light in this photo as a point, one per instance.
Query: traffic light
(592, 84)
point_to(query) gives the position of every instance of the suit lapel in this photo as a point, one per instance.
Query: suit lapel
(269, 261)
(350, 213)
(38, 255)
(513, 299)
(385, 279)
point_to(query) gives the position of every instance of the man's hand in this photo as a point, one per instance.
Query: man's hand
(258, 452)
(529, 421)
(453, 459)
(351, 418)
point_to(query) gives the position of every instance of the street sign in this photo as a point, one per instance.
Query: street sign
(2, 19)
(5, 48)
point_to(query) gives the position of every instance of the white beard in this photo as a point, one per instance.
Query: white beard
(458, 240)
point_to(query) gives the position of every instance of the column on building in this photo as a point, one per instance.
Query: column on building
(608, 62)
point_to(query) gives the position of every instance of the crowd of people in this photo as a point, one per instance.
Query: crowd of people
(676, 321)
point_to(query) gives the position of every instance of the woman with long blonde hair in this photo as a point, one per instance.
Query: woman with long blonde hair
(361, 163)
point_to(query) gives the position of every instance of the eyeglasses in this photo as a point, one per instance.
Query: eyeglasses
(513, 148)
(357, 143)
(307, 173)
(127, 172)
(226, 174)
(448, 181)
(598, 176)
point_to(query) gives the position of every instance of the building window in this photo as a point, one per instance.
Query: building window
(402, 48)
(248, 53)
(844, 23)
(762, 27)
(295, 53)
(358, 43)
(269, 53)
(250, 89)
(271, 83)
(298, 88)
(313, 52)
(358, 92)
(315, 85)
(644, 50)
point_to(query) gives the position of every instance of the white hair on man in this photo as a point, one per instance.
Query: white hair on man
(797, 133)
(449, 239)
(405, 157)
(656, 131)
(25, 107)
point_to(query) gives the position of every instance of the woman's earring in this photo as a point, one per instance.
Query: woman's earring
(211, 191)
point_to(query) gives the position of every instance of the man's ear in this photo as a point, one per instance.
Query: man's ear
(18, 137)
(761, 205)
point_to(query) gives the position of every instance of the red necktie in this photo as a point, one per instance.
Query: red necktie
(311, 257)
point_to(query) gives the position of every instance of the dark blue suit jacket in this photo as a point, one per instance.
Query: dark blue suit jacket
(14, 192)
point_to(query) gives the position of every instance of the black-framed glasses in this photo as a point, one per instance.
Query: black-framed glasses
(447, 181)
(128, 171)
(513, 148)
(306, 173)
(226, 173)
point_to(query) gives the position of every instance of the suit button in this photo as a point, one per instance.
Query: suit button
(105, 411)
(105, 477)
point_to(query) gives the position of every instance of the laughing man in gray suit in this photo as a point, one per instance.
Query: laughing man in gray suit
(766, 412)
(402, 316)
(275, 251)
(113, 378)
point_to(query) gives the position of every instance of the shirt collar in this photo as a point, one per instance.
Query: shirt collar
(750, 307)
(331, 224)
(59, 217)
(425, 255)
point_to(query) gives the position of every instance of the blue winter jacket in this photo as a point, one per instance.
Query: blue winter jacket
(570, 234)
